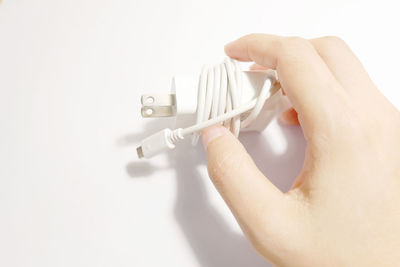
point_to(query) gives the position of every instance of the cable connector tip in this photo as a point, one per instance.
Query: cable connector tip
(159, 142)
(139, 152)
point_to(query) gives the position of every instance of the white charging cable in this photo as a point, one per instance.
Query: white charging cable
(218, 101)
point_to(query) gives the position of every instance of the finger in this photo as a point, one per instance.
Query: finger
(342, 62)
(290, 117)
(305, 77)
(256, 203)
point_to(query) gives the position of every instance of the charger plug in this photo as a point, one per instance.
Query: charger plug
(224, 94)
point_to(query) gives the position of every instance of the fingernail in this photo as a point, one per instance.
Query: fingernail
(211, 133)
(283, 118)
(289, 117)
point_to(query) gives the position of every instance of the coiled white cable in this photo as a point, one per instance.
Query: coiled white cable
(218, 101)
(220, 91)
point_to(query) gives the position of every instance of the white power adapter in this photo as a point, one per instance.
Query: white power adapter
(224, 94)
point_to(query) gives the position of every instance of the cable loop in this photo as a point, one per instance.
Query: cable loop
(220, 91)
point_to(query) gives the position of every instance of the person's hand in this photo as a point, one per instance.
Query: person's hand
(344, 206)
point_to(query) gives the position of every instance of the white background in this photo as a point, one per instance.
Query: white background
(72, 192)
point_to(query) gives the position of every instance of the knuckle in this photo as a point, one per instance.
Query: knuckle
(252, 35)
(227, 165)
(220, 166)
(296, 42)
(252, 38)
(214, 171)
(332, 41)
(290, 45)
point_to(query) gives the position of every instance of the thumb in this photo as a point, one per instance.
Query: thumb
(255, 202)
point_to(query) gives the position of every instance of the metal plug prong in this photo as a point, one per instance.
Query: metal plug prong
(139, 152)
(158, 105)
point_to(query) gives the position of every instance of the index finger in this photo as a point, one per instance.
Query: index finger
(306, 79)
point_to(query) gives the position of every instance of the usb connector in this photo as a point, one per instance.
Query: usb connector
(159, 142)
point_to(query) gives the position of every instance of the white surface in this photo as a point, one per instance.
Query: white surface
(71, 74)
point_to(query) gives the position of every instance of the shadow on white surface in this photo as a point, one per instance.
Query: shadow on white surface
(212, 241)
(142, 168)
(281, 169)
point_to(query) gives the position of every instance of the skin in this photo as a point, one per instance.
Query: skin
(344, 206)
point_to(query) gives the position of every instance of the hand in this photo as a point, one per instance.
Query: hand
(344, 206)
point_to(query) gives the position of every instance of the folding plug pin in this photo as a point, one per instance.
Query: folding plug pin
(158, 105)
